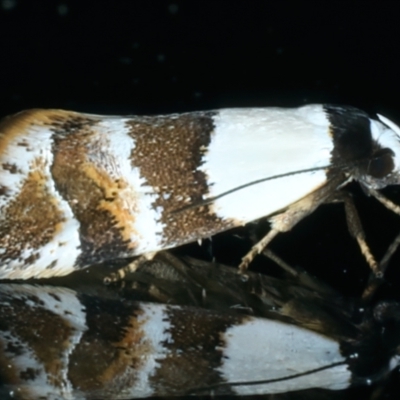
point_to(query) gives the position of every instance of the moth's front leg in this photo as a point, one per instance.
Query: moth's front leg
(286, 220)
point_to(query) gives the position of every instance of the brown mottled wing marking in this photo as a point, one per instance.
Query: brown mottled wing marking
(168, 150)
(91, 193)
(20, 230)
(36, 337)
(196, 348)
(116, 340)
(12, 126)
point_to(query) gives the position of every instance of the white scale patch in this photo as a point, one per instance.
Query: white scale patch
(256, 143)
(137, 197)
(262, 349)
(154, 321)
(64, 303)
(23, 157)
(67, 239)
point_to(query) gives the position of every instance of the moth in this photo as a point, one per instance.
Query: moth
(79, 189)
(211, 333)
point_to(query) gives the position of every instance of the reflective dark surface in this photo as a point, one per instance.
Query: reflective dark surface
(47, 328)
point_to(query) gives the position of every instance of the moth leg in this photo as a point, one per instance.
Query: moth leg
(375, 281)
(167, 277)
(356, 230)
(295, 273)
(384, 200)
(129, 269)
(396, 242)
(177, 267)
(280, 223)
(257, 249)
(286, 220)
(389, 253)
(280, 262)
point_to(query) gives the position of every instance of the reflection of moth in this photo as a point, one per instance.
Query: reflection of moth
(79, 189)
(98, 343)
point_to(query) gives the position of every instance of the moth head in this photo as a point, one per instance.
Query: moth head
(383, 168)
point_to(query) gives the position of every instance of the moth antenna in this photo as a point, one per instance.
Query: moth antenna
(210, 200)
(267, 381)
(246, 185)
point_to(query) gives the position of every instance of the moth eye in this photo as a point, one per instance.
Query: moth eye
(381, 164)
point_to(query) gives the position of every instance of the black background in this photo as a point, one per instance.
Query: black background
(146, 56)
